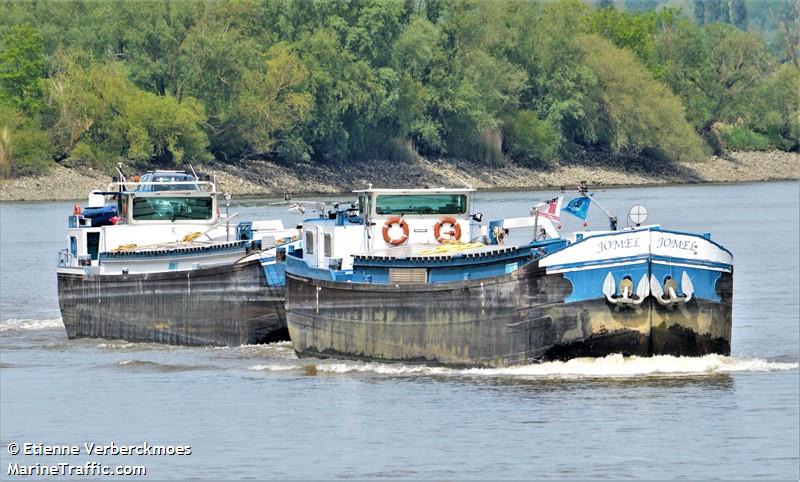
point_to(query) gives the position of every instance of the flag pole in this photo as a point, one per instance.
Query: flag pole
(583, 190)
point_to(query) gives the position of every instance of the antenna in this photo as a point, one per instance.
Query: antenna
(119, 171)
(194, 173)
(227, 216)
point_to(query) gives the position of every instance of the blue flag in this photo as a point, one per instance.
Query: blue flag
(578, 207)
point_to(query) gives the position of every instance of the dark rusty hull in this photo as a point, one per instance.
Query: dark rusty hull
(221, 306)
(516, 318)
(699, 327)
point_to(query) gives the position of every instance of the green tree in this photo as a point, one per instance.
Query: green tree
(22, 68)
(374, 31)
(642, 5)
(211, 63)
(147, 36)
(560, 85)
(474, 85)
(529, 138)
(789, 24)
(24, 147)
(739, 13)
(724, 12)
(773, 109)
(637, 31)
(77, 104)
(416, 51)
(699, 10)
(273, 102)
(329, 81)
(162, 128)
(713, 11)
(101, 109)
(657, 127)
(712, 70)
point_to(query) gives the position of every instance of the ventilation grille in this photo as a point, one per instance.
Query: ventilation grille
(408, 275)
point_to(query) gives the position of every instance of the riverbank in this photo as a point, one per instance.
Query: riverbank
(266, 179)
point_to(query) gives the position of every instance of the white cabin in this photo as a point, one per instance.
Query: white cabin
(389, 219)
(127, 227)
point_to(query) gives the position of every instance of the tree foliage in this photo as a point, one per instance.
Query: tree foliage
(328, 81)
(632, 126)
(24, 148)
(100, 107)
(22, 68)
(273, 102)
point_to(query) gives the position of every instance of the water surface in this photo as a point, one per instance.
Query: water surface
(259, 412)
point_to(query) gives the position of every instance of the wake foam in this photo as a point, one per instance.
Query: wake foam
(605, 367)
(27, 324)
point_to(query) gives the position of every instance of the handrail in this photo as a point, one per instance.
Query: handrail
(132, 184)
(65, 258)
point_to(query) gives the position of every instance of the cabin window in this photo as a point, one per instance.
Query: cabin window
(309, 244)
(92, 244)
(362, 204)
(73, 246)
(153, 182)
(388, 204)
(172, 208)
(328, 244)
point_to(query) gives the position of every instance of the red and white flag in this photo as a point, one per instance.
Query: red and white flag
(549, 209)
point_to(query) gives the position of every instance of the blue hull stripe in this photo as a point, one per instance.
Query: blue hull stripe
(600, 262)
(696, 262)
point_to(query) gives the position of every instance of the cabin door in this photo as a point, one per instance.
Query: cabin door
(312, 246)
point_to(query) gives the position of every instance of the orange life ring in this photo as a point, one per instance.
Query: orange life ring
(76, 210)
(455, 234)
(391, 222)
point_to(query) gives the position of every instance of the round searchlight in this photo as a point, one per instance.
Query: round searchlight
(637, 214)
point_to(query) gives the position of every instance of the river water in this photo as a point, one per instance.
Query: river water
(259, 412)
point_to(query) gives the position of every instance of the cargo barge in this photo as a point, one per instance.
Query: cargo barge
(414, 276)
(153, 260)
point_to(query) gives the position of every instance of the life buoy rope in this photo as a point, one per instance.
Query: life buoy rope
(455, 233)
(391, 222)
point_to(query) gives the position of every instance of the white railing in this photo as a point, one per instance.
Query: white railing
(131, 185)
(65, 258)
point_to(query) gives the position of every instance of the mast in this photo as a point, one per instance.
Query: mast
(583, 190)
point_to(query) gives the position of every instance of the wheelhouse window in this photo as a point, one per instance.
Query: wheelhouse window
(362, 204)
(172, 208)
(152, 182)
(388, 204)
(308, 247)
(328, 244)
